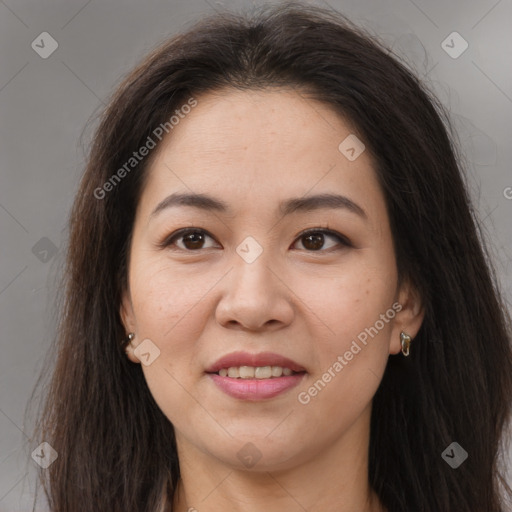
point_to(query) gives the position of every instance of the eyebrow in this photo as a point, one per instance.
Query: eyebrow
(287, 207)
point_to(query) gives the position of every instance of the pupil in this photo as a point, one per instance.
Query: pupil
(317, 243)
(313, 241)
(189, 239)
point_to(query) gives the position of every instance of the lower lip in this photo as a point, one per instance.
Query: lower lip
(256, 389)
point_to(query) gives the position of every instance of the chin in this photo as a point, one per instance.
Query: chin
(258, 452)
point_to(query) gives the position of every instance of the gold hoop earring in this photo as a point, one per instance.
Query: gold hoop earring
(405, 341)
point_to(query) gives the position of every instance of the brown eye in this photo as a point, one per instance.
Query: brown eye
(191, 240)
(314, 240)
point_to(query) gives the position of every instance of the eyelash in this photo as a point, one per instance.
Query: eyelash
(169, 241)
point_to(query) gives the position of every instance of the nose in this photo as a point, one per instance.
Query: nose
(255, 297)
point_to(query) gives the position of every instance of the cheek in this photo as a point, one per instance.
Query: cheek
(170, 310)
(165, 298)
(171, 313)
(357, 318)
(354, 299)
(352, 358)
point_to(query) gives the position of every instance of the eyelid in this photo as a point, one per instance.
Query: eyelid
(166, 242)
(325, 231)
(343, 240)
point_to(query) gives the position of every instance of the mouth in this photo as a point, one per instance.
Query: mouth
(263, 365)
(255, 377)
(256, 372)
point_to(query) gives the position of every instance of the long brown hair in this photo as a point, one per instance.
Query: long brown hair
(116, 448)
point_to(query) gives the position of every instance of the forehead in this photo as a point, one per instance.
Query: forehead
(270, 122)
(260, 146)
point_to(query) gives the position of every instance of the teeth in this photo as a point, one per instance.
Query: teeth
(263, 372)
(251, 372)
(233, 372)
(277, 371)
(246, 372)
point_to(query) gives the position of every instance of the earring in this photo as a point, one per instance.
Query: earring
(128, 339)
(405, 341)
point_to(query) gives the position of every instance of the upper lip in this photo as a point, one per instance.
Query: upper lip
(246, 359)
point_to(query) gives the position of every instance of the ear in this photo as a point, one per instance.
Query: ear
(128, 320)
(409, 318)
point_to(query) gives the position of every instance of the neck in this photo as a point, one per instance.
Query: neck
(334, 480)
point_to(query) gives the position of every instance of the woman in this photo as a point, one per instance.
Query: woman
(276, 293)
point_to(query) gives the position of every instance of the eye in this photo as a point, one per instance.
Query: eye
(315, 238)
(192, 239)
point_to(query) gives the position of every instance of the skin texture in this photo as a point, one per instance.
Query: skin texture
(252, 150)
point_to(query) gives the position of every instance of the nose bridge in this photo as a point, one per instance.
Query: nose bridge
(254, 295)
(253, 266)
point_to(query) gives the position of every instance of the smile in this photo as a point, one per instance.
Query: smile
(255, 389)
(252, 372)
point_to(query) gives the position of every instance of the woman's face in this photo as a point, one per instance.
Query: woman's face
(250, 281)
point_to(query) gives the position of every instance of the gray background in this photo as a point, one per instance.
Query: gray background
(46, 103)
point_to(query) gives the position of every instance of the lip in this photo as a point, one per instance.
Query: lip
(256, 389)
(261, 359)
